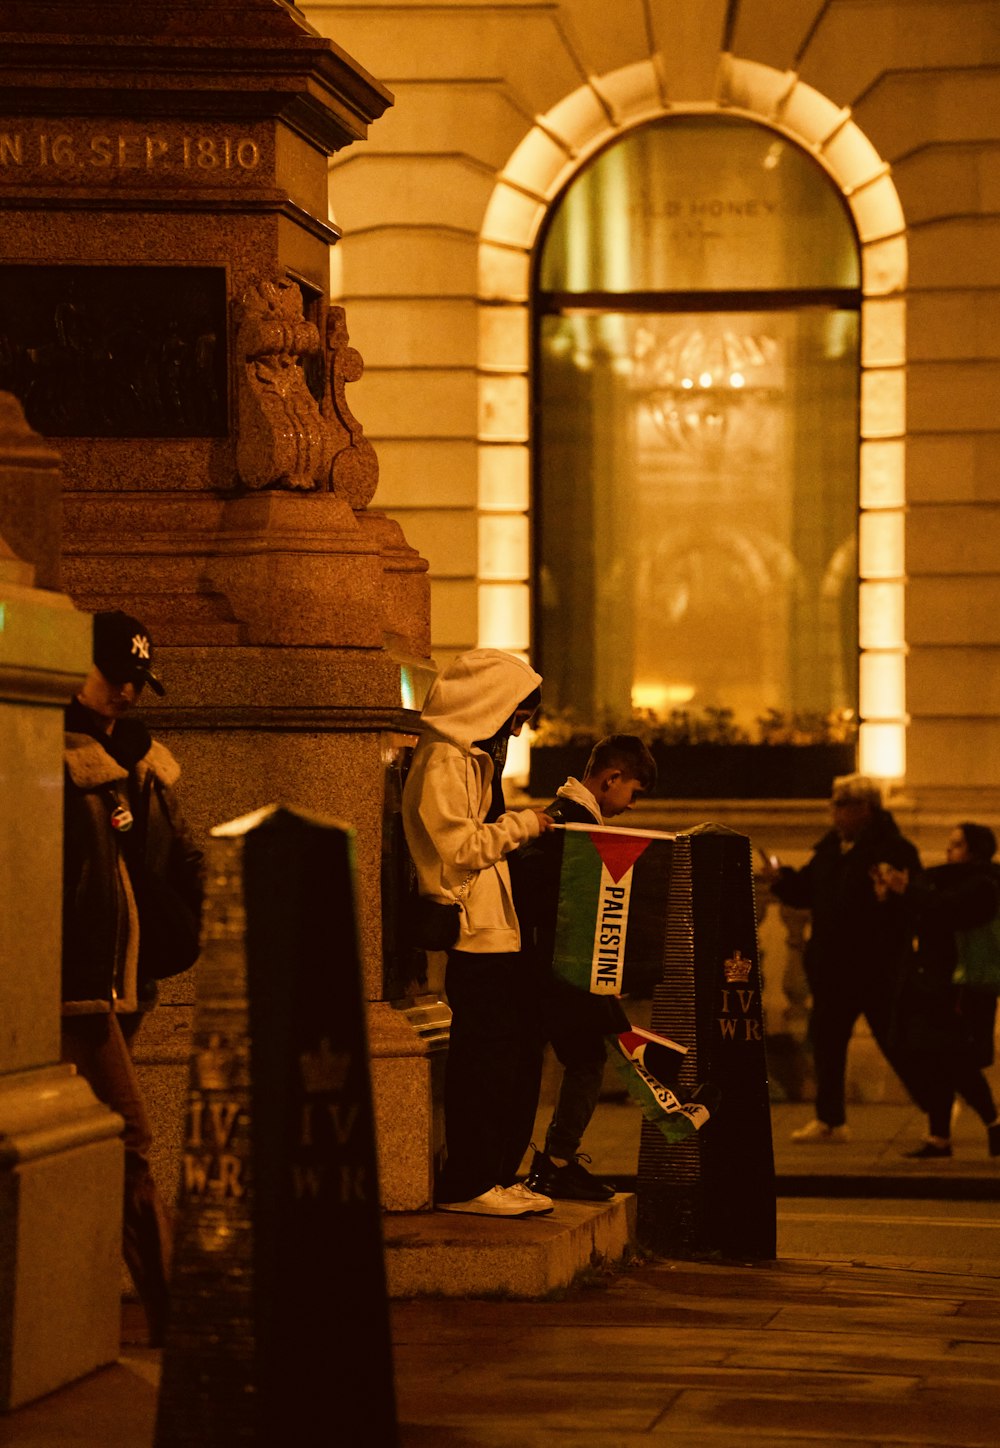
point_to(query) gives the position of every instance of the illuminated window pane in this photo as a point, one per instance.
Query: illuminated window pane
(698, 509)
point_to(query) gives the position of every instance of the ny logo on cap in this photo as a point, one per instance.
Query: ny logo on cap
(140, 646)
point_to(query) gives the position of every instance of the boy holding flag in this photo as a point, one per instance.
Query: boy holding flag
(575, 1018)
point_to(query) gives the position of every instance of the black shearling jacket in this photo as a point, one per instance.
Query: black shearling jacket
(853, 935)
(131, 899)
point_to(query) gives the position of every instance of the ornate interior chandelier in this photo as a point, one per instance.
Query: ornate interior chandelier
(695, 384)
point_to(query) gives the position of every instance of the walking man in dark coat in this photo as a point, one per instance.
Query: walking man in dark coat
(857, 944)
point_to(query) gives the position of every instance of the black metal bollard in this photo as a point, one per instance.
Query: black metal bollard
(713, 1194)
(279, 1327)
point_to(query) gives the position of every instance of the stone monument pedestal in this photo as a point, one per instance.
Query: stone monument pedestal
(165, 265)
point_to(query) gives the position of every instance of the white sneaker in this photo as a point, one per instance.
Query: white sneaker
(497, 1202)
(818, 1131)
(537, 1203)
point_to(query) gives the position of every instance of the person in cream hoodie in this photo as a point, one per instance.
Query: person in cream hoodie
(459, 833)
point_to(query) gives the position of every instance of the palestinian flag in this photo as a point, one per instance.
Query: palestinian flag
(648, 1065)
(611, 919)
(660, 1057)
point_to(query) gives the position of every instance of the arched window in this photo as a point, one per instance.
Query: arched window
(696, 430)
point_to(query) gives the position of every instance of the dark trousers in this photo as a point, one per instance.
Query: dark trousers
(836, 1008)
(493, 1072)
(962, 1025)
(97, 1047)
(940, 1078)
(577, 1024)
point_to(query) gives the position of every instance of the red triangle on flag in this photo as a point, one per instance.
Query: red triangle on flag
(618, 852)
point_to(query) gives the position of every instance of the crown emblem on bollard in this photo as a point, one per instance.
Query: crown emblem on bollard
(737, 968)
(216, 1066)
(323, 1070)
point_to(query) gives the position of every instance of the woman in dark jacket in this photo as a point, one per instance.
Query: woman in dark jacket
(943, 1031)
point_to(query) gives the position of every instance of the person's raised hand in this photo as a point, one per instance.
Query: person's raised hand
(769, 869)
(545, 821)
(888, 880)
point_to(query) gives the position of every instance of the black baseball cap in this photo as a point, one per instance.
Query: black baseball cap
(123, 650)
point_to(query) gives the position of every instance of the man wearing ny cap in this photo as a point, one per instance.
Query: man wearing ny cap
(132, 895)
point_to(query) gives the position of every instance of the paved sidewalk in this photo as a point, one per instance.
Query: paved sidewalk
(802, 1352)
(820, 1348)
(872, 1163)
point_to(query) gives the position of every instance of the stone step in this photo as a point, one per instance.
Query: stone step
(449, 1255)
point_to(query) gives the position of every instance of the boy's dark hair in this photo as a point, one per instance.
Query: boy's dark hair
(627, 753)
(981, 840)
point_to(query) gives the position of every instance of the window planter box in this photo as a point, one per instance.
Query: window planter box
(714, 771)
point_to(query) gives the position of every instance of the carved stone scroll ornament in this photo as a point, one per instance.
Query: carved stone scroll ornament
(355, 463)
(282, 440)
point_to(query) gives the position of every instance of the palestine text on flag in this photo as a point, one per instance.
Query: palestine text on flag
(611, 918)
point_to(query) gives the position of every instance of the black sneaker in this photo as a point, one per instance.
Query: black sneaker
(569, 1183)
(928, 1150)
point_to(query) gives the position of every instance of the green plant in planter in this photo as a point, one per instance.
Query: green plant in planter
(839, 726)
(711, 726)
(561, 728)
(706, 754)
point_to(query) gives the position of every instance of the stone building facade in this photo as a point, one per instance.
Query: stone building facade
(498, 106)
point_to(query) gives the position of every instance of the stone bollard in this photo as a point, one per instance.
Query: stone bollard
(279, 1318)
(714, 1193)
(640, 909)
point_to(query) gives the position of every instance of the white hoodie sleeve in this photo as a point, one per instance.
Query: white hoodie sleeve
(448, 814)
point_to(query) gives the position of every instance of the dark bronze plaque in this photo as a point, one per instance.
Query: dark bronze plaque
(119, 351)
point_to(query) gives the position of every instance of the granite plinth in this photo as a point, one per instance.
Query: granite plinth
(450, 1255)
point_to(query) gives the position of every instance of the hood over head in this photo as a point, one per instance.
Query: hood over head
(472, 697)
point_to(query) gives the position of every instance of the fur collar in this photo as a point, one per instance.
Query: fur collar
(90, 765)
(163, 764)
